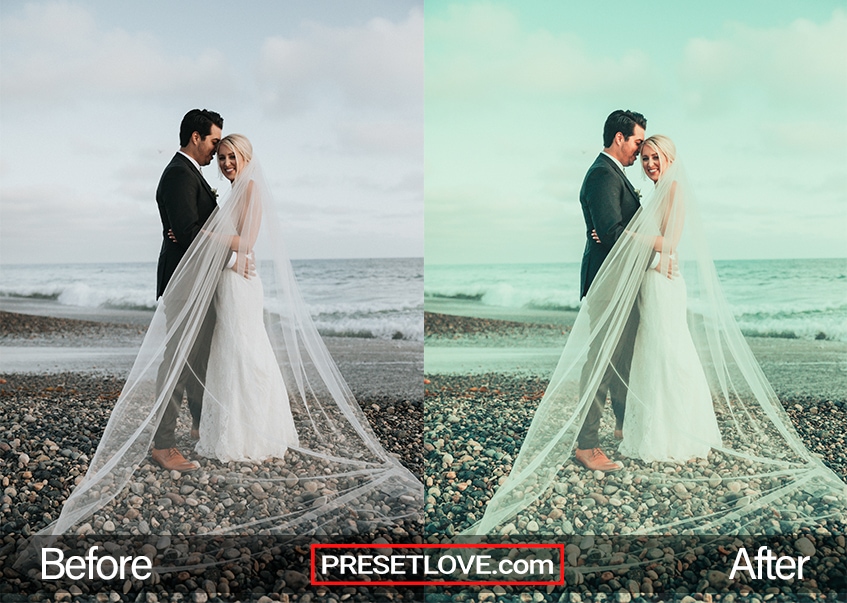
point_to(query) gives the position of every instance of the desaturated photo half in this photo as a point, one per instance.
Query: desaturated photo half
(635, 286)
(211, 297)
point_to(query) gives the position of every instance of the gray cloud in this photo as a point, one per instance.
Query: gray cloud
(374, 67)
(58, 52)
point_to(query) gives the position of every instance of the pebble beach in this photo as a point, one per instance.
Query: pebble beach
(52, 421)
(476, 422)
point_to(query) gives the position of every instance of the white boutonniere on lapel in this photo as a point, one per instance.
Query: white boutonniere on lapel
(215, 193)
(638, 193)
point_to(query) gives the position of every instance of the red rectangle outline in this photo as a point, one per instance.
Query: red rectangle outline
(560, 582)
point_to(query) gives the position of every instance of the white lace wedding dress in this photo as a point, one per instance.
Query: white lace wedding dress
(246, 414)
(669, 411)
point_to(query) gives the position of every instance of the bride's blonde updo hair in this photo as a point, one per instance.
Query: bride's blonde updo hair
(665, 146)
(242, 147)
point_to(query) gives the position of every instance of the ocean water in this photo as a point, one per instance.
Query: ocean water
(804, 299)
(371, 298)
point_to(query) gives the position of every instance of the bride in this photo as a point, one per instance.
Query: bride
(669, 413)
(246, 415)
(271, 392)
(694, 393)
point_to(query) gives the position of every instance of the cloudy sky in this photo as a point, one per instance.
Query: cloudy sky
(92, 93)
(754, 94)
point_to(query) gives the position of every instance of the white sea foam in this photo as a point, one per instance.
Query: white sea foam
(379, 298)
(770, 298)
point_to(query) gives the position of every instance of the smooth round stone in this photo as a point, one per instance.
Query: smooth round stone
(586, 543)
(149, 551)
(717, 579)
(805, 547)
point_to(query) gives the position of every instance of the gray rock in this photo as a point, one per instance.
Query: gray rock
(718, 580)
(295, 579)
(805, 547)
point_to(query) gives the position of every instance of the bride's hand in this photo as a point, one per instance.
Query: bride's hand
(667, 266)
(245, 268)
(594, 236)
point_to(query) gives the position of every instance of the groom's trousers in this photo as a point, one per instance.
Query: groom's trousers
(614, 380)
(190, 381)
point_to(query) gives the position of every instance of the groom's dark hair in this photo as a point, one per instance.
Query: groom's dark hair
(623, 122)
(200, 121)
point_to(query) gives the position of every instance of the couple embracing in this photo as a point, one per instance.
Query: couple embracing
(230, 378)
(654, 363)
(702, 442)
(276, 425)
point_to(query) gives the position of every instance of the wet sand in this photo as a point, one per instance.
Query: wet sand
(463, 345)
(106, 343)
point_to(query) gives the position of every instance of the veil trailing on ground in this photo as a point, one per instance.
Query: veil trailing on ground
(338, 480)
(758, 478)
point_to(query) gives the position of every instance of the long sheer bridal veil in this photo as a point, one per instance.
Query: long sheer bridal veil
(339, 480)
(760, 480)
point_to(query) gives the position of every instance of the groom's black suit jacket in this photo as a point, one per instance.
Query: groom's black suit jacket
(185, 202)
(608, 202)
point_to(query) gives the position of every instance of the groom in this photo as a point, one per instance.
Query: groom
(185, 202)
(609, 202)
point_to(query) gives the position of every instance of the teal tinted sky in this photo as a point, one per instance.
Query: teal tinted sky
(753, 93)
(92, 93)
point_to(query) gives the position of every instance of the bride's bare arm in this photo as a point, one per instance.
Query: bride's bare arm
(248, 222)
(674, 218)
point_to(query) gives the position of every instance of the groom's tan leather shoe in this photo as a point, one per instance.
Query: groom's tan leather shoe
(594, 459)
(619, 434)
(172, 460)
(195, 433)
